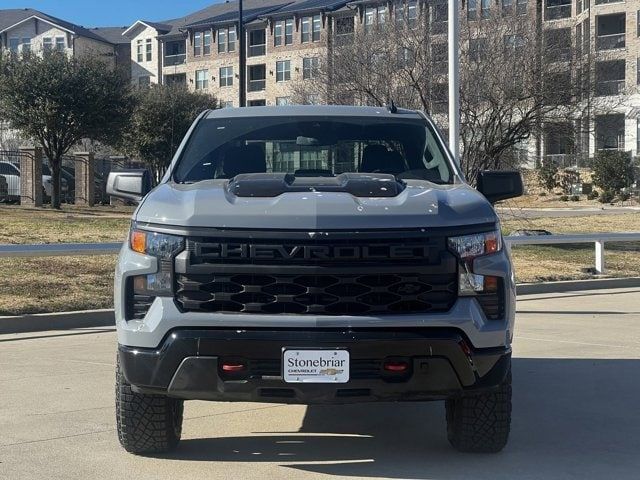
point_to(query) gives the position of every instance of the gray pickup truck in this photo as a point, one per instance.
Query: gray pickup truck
(314, 255)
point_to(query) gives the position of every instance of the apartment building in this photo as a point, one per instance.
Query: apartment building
(29, 30)
(605, 35)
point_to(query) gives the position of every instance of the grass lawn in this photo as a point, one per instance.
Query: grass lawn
(32, 285)
(54, 284)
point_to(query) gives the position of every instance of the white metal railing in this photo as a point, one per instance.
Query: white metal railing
(599, 239)
(75, 249)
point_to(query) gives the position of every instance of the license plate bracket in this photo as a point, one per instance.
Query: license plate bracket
(315, 365)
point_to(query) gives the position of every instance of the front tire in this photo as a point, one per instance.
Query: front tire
(480, 423)
(146, 424)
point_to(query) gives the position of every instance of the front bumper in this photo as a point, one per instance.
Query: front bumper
(442, 364)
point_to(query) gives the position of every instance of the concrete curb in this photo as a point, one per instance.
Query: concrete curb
(100, 318)
(41, 322)
(575, 285)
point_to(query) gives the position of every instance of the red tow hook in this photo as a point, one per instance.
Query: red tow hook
(395, 367)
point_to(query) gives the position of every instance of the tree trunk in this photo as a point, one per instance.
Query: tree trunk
(55, 182)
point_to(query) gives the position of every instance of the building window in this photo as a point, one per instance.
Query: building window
(310, 67)
(288, 31)
(311, 29)
(231, 39)
(60, 44)
(312, 99)
(226, 104)
(47, 44)
(283, 71)
(283, 101)
(206, 43)
(369, 18)
(26, 45)
(257, 42)
(144, 82)
(257, 78)
(521, 7)
(257, 103)
(412, 13)
(202, 79)
(507, 7)
(556, 9)
(610, 132)
(226, 76)
(197, 44)
(139, 50)
(14, 43)
(148, 47)
(485, 5)
(222, 40)
(638, 75)
(278, 33)
(283, 32)
(472, 9)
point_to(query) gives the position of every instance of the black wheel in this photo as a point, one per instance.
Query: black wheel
(480, 423)
(146, 423)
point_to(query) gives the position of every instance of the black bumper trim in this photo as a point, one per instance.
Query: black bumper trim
(186, 365)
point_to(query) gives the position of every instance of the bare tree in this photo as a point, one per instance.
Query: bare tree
(515, 79)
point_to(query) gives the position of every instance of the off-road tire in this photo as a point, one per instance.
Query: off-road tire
(147, 424)
(480, 423)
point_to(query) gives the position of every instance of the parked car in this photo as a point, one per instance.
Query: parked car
(314, 255)
(11, 172)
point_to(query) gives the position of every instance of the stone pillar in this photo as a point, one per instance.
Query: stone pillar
(85, 179)
(31, 176)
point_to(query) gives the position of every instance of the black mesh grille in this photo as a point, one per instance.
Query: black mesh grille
(326, 274)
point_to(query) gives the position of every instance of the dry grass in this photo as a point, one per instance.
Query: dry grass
(31, 285)
(553, 201)
(567, 262)
(69, 225)
(55, 284)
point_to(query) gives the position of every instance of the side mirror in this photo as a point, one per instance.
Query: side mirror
(129, 184)
(500, 185)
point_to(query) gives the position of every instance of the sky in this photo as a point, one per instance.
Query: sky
(101, 13)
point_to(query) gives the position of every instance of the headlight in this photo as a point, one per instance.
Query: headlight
(155, 244)
(469, 247)
(164, 248)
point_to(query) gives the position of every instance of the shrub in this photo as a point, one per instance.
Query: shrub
(612, 171)
(547, 176)
(624, 196)
(575, 198)
(564, 198)
(606, 197)
(592, 195)
(543, 194)
(568, 178)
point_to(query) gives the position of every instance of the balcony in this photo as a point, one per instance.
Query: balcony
(343, 39)
(610, 42)
(172, 60)
(606, 88)
(556, 12)
(257, 50)
(439, 27)
(256, 85)
(602, 2)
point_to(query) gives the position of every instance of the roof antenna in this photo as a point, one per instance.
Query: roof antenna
(392, 107)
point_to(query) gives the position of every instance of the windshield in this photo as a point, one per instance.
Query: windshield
(323, 146)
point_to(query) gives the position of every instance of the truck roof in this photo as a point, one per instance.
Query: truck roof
(313, 110)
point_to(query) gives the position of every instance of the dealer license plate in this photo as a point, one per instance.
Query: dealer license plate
(315, 366)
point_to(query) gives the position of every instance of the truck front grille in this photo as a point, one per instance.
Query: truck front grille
(330, 273)
(406, 292)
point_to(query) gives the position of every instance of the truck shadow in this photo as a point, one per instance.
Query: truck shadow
(571, 419)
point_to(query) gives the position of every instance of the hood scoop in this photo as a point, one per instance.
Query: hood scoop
(274, 184)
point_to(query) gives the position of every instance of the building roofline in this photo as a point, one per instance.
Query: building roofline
(50, 22)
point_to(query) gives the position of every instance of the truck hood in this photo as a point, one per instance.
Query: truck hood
(209, 204)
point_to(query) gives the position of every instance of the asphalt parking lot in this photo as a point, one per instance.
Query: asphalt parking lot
(576, 396)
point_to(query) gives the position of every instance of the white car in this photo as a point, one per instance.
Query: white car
(11, 172)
